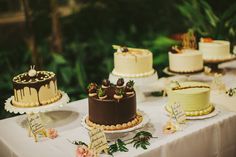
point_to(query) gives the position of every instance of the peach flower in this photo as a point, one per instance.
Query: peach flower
(52, 133)
(84, 151)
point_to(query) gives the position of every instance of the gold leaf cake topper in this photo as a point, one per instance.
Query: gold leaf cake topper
(189, 40)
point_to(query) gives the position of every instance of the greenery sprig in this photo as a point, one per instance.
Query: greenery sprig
(101, 92)
(119, 145)
(140, 140)
(78, 143)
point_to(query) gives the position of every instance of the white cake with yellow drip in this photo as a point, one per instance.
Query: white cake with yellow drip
(132, 62)
(35, 88)
(194, 97)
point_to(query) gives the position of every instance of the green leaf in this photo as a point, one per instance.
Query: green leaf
(58, 59)
(67, 74)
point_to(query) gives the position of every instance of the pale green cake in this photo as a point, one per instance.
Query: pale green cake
(194, 98)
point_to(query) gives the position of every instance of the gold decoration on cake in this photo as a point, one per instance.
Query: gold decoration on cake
(189, 40)
(32, 72)
(138, 119)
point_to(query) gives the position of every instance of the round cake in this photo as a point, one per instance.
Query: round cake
(185, 60)
(194, 97)
(214, 49)
(132, 62)
(112, 107)
(35, 88)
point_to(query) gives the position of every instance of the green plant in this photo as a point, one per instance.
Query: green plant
(202, 18)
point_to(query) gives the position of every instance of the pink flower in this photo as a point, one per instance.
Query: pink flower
(83, 151)
(52, 133)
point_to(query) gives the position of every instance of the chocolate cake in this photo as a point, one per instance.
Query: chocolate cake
(112, 107)
(35, 88)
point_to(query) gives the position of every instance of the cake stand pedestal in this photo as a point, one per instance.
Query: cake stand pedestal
(42, 110)
(214, 63)
(141, 83)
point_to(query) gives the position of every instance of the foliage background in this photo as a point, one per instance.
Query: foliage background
(88, 33)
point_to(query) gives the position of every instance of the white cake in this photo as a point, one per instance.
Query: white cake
(132, 62)
(215, 49)
(187, 60)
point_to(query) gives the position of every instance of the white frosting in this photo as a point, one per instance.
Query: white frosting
(135, 63)
(187, 61)
(217, 49)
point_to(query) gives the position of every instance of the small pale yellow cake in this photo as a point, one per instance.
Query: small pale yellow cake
(194, 97)
(132, 62)
(215, 49)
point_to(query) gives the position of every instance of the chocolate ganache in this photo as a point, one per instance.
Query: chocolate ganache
(112, 105)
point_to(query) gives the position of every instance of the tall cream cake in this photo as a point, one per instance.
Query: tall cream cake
(132, 62)
(194, 97)
(35, 88)
(214, 49)
(186, 59)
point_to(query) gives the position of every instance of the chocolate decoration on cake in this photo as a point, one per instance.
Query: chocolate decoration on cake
(119, 93)
(120, 82)
(92, 89)
(175, 49)
(122, 49)
(129, 88)
(105, 83)
(109, 111)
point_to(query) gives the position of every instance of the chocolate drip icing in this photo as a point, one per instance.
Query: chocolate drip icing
(180, 88)
(41, 79)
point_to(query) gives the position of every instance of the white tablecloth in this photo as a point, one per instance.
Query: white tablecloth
(213, 137)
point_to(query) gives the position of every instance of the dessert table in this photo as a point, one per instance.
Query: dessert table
(213, 137)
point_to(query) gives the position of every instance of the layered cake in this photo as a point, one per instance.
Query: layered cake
(35, 88)
(185, 59)
(132, 62)
(194, 97)
(112, 106)
(214, 49)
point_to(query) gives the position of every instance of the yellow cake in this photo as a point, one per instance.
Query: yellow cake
(35, 88)
(132, 62)
(194, 97)
(214, 49)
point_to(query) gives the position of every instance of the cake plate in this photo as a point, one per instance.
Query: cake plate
(167, 71)
(214, 63)
(212, 114)
(41, 109)
(139, 81)
(113, 134)
(209, 115)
